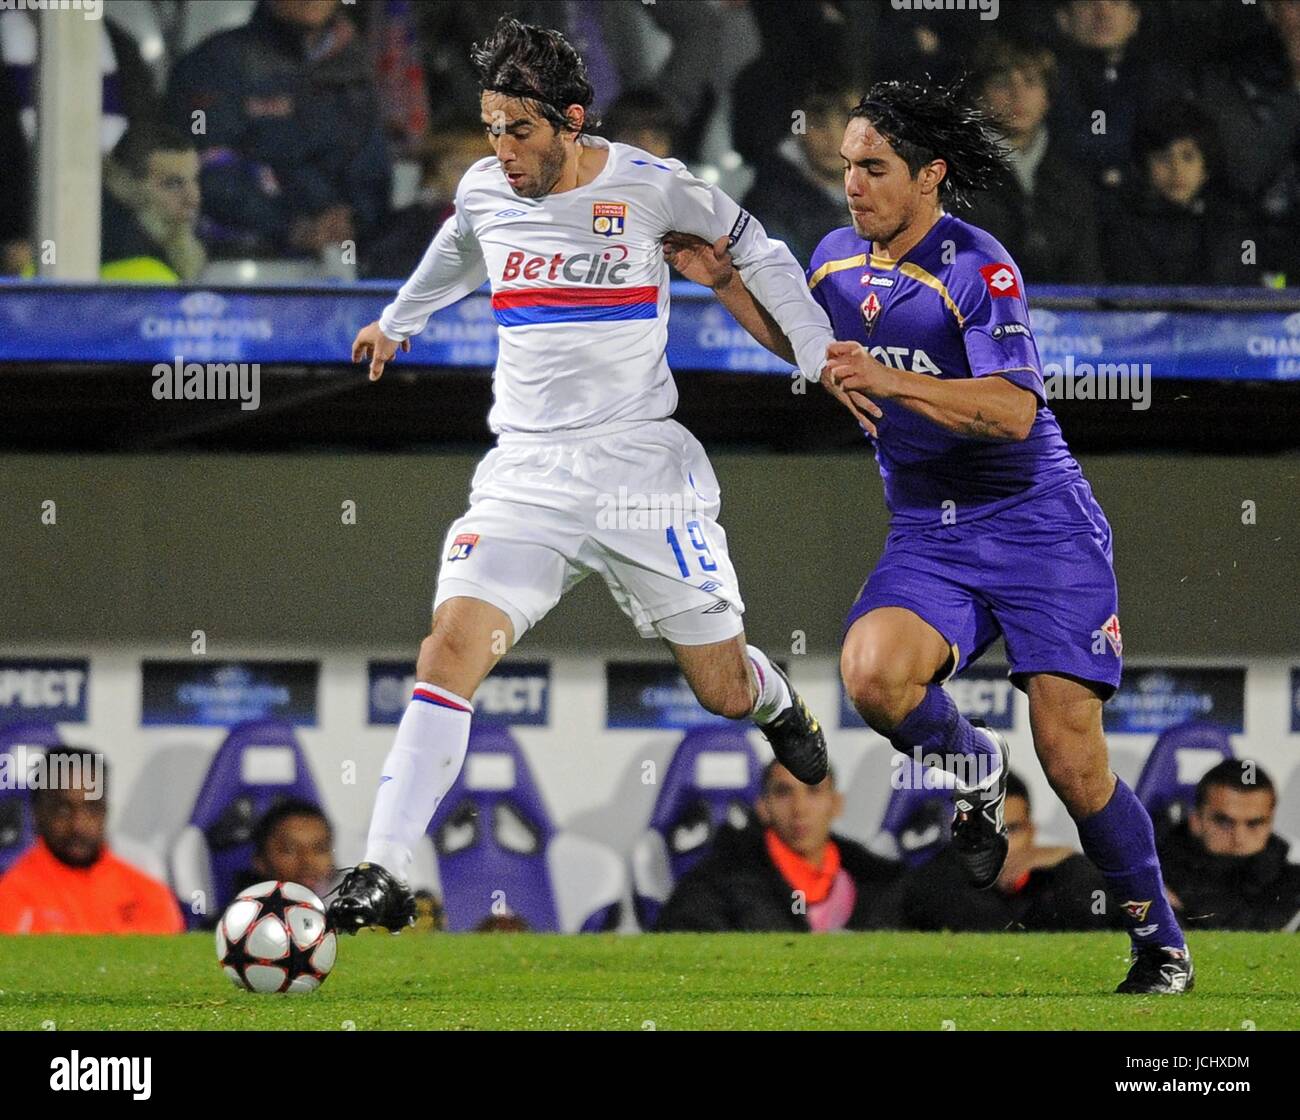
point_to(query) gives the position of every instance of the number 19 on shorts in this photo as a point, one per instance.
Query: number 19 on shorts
(698, 543)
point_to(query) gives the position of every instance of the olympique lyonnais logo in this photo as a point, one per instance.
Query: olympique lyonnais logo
(1000, 279)
(607, 218)
(462, 546)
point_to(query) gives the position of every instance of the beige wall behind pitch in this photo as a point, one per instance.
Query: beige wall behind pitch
(253, 550)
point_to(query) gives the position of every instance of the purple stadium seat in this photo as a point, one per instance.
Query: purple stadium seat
(259, 764)
(712, 780)
(917, 822)
(498, 851)
(17, 828)
(1179, 759)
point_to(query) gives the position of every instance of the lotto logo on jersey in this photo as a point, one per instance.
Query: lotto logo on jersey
(607, 218)
(1000, 280)
(462, 546)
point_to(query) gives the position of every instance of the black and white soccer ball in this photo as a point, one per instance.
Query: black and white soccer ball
(274, 938)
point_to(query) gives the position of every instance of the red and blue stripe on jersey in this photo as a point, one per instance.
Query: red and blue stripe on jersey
(519, 307)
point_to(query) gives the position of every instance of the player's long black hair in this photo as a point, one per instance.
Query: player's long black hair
(536, 64)
(928, 122)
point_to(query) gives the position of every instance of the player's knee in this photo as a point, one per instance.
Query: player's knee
(876, 686)
(444, 659)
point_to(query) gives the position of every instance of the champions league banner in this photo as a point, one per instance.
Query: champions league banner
(517, 694)
(1152, 700)
(52, 690)
(219, 694)
(315, 325)
(653, 694)
(981, 692)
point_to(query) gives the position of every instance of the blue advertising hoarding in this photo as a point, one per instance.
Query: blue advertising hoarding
(514, 694)
(1153, 699)
(51, 689)
(1257, 337)
(221, 693)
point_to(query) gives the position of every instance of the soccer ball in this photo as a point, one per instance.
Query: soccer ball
(274, 938)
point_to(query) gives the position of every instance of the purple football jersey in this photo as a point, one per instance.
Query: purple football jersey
(954, 306)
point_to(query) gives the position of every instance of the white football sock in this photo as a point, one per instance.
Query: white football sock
(773, 695)
(422, 766)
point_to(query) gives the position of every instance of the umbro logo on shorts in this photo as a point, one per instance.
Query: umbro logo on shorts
(462, 546)
(719, 607)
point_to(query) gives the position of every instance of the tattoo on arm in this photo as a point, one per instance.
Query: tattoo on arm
(983, 428)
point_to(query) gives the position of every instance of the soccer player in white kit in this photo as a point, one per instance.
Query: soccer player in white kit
(590, 473)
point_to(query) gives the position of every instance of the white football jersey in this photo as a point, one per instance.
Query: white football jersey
(580, 287)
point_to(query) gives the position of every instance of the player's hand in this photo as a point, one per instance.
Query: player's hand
(699, 261)
(850, 367)
(372, 343)
(865, 411)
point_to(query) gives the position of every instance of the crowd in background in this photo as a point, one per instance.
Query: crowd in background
(782, 869)
(1152, 141)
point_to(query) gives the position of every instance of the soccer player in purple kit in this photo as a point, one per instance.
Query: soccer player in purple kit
(993, 528)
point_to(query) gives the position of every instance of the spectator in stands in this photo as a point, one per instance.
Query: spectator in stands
(151, 208)
(290, 136)
(293, 842)
(788, 872)
(1175, 225)
(395, 249)
(1040, 888)
(798, 191)
(1225, 867)
(1106, 76)
(127, 95)
(69, 881)
(1255, 94)
(1045, 211)
(15, 186)
(641, 117)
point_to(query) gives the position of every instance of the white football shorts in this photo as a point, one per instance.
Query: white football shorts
(637, 502)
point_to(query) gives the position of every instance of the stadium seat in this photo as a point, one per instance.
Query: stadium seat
(1179, 759)
(712, 780)
(917, 822)
(259, 764)
(498, 852)
(17, 828)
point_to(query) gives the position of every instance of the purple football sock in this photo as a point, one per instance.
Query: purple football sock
(1119, 839)
(937, 734)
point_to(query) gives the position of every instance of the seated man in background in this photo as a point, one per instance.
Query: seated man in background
(798, 191)
(789, 872)
(68, 881)
(294, 843)
(295, 161)
(1225, 867)
(151, 208)
(1040, 888)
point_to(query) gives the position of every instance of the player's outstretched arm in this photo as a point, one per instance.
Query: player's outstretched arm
(711, 266)
(451, 268)
(987, 407)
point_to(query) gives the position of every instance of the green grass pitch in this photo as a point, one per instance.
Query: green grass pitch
(663, 982)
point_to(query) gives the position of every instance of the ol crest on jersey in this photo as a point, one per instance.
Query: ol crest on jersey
(607, 218)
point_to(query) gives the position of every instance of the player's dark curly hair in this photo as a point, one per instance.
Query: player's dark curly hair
(927, 122)
(537, 65)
